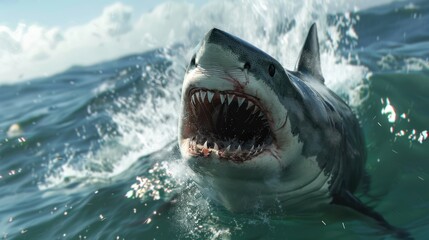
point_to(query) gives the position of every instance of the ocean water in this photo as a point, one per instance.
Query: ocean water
(91, 152)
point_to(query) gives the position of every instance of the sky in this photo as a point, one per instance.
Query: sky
(66, 13)
(61, 13)
(43, 37)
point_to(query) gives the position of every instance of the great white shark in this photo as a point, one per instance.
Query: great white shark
(258, 135)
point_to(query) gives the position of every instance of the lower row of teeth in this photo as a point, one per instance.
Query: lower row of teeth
(228, 152)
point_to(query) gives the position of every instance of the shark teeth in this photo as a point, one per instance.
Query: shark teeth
(214, 96)
(249, 105)
(240, 101)
(230, 98)
(203, 95)
(210, 96)
(222, 98)
(238, 149)
(227, 125)
(193, 99)
(229, 152)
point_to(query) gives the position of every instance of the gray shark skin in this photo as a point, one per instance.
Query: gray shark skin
(257, 135)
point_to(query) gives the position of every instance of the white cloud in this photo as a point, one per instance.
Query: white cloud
(8, 43)
(30, 51)
(115, 20)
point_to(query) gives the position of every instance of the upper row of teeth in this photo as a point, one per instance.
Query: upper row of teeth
(202, 95)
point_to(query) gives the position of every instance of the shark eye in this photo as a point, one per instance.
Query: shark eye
(271, 70)
(247, 65)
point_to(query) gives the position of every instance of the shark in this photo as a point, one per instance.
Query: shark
(257, 135)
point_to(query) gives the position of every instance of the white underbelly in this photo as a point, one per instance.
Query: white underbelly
(299, 192)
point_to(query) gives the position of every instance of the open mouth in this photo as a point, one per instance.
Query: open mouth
(228, 124)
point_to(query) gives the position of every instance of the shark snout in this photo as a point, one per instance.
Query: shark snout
(219, 50)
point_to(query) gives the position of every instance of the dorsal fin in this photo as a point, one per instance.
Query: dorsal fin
(309, 59)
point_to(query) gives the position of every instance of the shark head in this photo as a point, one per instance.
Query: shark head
(232, 112)
(246, 123)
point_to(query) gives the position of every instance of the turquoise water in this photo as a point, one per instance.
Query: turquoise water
(93, 152)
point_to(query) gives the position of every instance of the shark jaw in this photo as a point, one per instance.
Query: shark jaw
(225, 124)
(229, 125)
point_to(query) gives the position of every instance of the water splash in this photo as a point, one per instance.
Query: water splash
(156, 185)
(397, 124)
(389, 111)
(390, 62)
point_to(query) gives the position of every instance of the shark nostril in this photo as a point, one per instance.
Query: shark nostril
(193, 63)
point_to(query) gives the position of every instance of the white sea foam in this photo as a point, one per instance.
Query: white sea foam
(390, 62)
(149, 127)
(277, 27)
